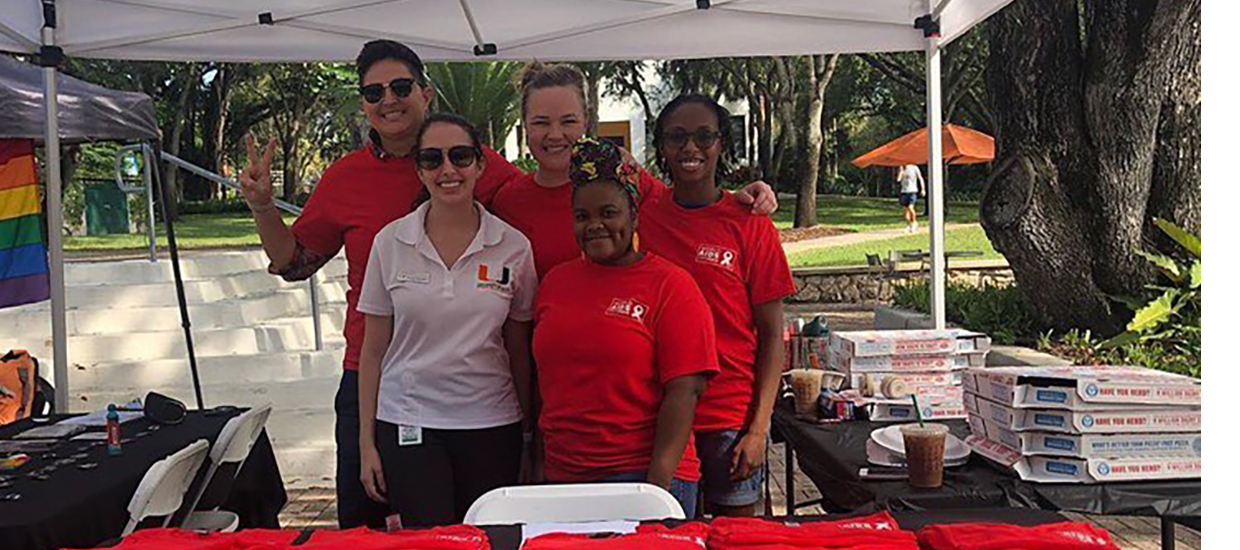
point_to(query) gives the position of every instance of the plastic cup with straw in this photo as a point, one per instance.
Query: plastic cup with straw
(923, 450)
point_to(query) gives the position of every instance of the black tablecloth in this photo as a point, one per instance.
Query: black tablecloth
(76, 508)
(508, 537)
(832, 454)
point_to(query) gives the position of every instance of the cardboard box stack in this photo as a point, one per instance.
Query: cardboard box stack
(887, 365)
(1086, 424)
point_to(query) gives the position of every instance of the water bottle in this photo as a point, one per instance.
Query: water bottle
(114, 430)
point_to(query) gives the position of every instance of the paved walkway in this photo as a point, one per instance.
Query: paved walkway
(865, 236)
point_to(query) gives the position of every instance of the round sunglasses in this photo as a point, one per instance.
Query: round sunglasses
(461, 156)
(373, 93)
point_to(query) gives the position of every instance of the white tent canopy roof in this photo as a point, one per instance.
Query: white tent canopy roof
(334, 30)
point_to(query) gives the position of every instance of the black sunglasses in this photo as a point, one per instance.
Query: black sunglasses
(373, 93)
(461, 156)
(703, 138)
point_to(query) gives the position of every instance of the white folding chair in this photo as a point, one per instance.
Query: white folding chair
(232, 447)
(574, 503)
(163, 488)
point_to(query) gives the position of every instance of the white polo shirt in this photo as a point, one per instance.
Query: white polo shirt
(446, 366)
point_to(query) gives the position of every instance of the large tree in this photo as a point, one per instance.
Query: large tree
(1097, 107)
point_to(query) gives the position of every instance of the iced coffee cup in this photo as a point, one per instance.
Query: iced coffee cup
(923, 450)
(806, 386)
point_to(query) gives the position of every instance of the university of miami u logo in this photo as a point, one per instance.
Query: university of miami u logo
(484, 275)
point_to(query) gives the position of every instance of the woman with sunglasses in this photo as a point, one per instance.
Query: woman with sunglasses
(540, 203)
(624, 344)
(737, 261)
(445, 365)
(357, 195)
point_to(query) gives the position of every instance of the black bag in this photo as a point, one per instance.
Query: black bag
(162, 409)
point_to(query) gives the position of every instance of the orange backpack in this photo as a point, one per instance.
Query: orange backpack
(19, 374)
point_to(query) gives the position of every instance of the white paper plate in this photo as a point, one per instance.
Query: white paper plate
(891, 439)
(879, 456)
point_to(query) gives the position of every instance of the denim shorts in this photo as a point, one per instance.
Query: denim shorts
(685, 492)
(714, 449)
(908, 199)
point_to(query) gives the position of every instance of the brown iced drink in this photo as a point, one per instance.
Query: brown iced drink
(806, 386)
(923, 449)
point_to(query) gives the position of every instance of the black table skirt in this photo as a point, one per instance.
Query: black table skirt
(76, 508)
(832, 454)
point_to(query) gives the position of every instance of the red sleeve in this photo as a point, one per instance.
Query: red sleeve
(684, 333)
(649, 187)
(498, 173)
(318, 228)
(768, 275)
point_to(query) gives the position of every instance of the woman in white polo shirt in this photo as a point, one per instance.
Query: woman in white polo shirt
(445, 368)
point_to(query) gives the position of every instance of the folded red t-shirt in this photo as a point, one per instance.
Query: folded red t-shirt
(690, 536)
(993, 536)
(453, 537)
(181, 539)
(874, 532)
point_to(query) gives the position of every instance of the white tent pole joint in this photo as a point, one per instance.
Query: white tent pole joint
(50, 57)
(934, 125)
(481, 47)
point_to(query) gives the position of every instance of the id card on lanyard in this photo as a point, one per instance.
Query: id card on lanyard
(409, 435)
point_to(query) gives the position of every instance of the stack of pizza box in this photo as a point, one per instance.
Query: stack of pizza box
(1087, 424)
(887, 366)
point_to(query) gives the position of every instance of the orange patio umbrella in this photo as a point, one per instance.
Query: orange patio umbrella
(960, 146)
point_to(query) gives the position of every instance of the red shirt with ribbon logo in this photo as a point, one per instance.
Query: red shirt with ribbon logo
(736, 259)
(606, 340)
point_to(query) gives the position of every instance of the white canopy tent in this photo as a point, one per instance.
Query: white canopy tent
(471, 30)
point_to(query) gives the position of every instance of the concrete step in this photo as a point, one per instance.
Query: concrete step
(198, 266)
(36, 324)
(268, 369)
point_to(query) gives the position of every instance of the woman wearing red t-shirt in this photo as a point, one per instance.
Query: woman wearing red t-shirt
(737, 261)
(539, 204)
(624, 344)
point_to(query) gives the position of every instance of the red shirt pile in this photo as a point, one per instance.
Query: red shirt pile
(875, 532)
(455, 537)
(992, 536)
(690, 536)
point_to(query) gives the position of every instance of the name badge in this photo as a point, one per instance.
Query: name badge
(418, 278)
(409, 435)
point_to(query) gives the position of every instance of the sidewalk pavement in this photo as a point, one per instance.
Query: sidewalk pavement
(865, 236)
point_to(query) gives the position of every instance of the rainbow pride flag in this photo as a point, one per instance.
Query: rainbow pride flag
(23, 256)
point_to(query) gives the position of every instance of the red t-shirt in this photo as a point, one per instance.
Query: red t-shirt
(607, 339)
(736, 259)
(357, 196)
(545, 216)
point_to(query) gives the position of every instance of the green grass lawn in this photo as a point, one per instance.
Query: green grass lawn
(193, 231)
(972, 238)
(866, 213)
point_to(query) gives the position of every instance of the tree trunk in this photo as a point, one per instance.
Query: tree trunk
(820, 71)
(172, 139)
(1104, 137)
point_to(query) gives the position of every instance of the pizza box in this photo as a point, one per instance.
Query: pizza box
(1083, 388)
(1089, 445)
(1051, 469)
(916, 381)
(905, 363)
(902, 411)
(871, 343)
(1126, 420)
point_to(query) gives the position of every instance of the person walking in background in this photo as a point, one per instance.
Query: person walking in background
(357, 196)
(444, 380)
(624, 344)
(911, 183)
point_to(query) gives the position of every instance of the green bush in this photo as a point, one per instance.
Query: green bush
(998, 311)
(1083, 348)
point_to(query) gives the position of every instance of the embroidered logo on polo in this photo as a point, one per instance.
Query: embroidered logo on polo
(487, 279)
(630, 309)
(719, 256)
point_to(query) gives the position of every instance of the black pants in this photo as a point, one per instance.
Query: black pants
(354, 508)
(435, 482)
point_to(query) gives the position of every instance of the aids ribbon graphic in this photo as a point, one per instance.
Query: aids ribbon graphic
(727, 259)
(638, 311)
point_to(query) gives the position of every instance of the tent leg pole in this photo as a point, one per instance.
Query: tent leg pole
(934, 126)
(147, 160)
(55, 226)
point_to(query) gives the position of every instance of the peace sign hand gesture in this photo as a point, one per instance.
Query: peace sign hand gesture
(256, 177)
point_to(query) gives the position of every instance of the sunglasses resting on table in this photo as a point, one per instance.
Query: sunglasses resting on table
(373, 93)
